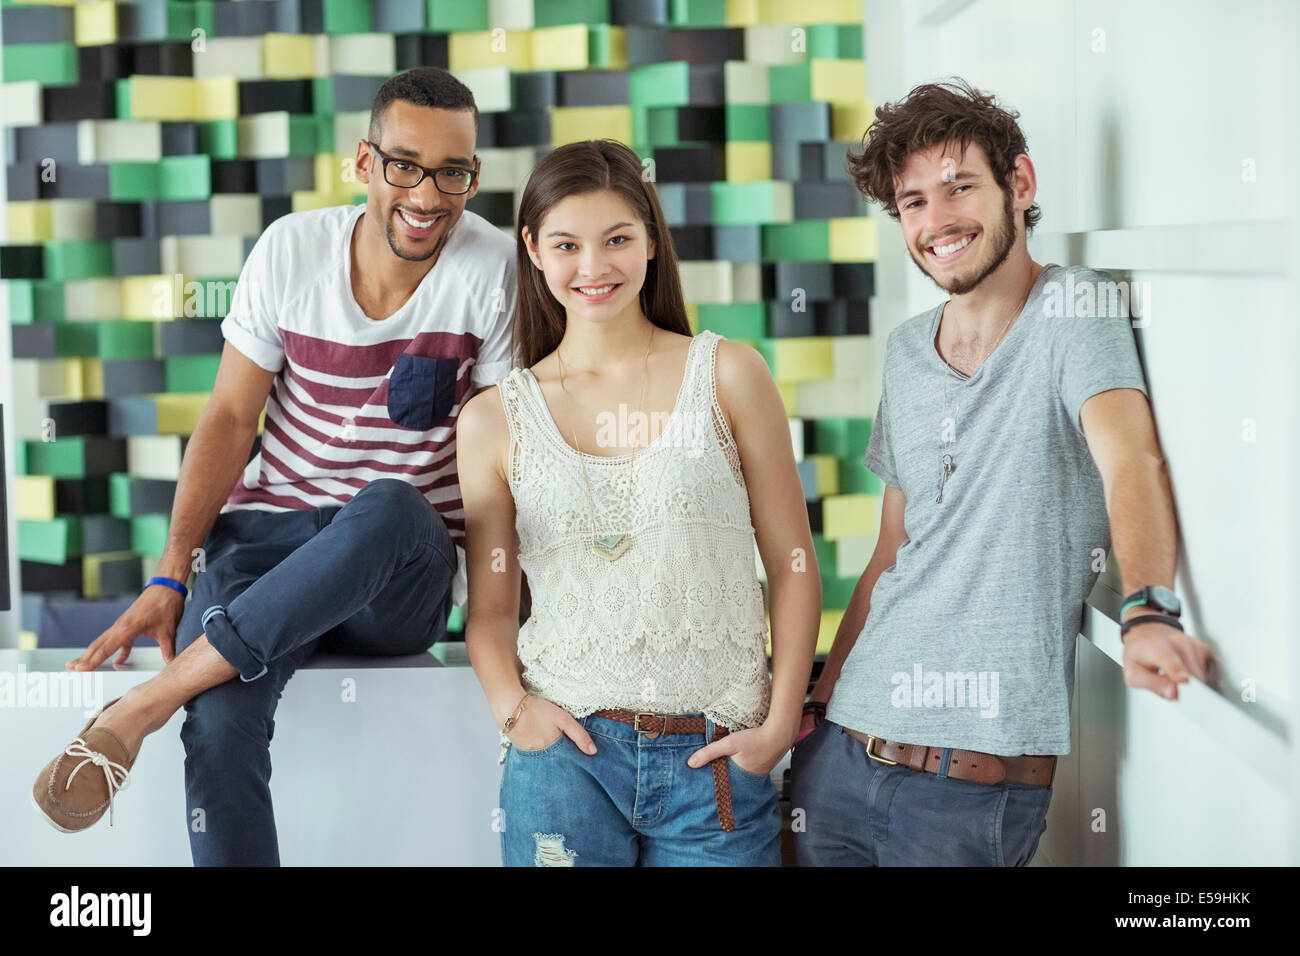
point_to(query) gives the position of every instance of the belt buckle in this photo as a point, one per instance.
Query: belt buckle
(636, 725)
(870, 742)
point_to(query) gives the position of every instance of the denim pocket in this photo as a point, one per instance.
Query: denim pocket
(1024, 821)
(544, 750)
(748, 773)
(421, 390)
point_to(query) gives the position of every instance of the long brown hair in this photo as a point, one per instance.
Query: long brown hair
(574, 170)
(930, 115)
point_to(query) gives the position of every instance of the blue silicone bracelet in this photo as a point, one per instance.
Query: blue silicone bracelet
(171, 583)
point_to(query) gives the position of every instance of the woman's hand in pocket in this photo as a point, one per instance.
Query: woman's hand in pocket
(756, 749)
(542, 723)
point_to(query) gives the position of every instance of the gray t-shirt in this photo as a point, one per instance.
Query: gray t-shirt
(969, 642)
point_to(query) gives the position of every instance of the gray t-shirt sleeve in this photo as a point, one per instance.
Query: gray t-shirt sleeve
(880, 457)
(1095, 354)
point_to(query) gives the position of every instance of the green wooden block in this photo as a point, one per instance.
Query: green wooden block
(789, 83)
(65, 458)
(837, 592)
(190, 373)
(185, 177)
(22, 301)
(835, 41)
(303, 131)
(698, 13)
(767, 348)
(322, 95)
(347, 16)
(852, 42)
(806, 241)
(739, 204)
(659, 84)
(20, 458)
(119, 495)
(122, 95)
(747, 123)
(149, 534)
(180, 22)
(50, 542)
(205, 16)
(444, 17)
(133, 182)
(735, 320)
(661, 126)
(78, 259)
(76, 339)
(600, 46)
(218, 139)
(456, 619)
(123, 338)
(54, 64)
(558, 13)
(825, 551)
(857, 479)
(841, 437)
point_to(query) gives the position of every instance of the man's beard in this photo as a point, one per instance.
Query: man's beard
(1001, 240)
(392, 243)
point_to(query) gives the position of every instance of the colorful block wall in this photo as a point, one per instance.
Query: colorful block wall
(148, 144)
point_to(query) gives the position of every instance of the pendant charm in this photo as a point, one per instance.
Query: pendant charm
(610, 546)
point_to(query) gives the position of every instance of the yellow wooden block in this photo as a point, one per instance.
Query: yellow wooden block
(26, 640)
(58, 378)
(288, 56)
(789, 393)
(92, 377)
(853, 554)
(828, 627)
(827, 470)
(810, 11)
(179, 412)
(216, 97)
(34, 497)
(804, 359)
(95, 22)
(560, 48)
(693, 317)
(72, 219)
(572, 123)
(150, 297)
(92, 299)
(836, 398)
(162, 97)
(90, 569)
(480, 49)
(29, 221)
(845, 516)
(742, 13)
(748, 162)
(617, 49)
(303, 201)
(849, 121)
(839, 81)
(854, 240)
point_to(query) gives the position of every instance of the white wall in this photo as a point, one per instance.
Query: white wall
(1164, 138)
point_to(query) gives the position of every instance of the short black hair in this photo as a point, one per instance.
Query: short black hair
(422, 86)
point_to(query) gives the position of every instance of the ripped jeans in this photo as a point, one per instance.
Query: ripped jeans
(635, 802)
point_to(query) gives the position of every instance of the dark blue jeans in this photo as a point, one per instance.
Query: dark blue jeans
(371, 577)
(860, 812)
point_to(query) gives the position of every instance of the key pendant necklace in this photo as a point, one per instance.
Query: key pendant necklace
(611, 547)
(948, 435)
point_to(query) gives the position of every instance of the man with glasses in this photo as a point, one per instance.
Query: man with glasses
(361, 331)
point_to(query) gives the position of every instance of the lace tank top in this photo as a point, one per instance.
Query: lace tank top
(676, 624)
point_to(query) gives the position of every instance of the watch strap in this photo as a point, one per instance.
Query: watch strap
(1141, 618)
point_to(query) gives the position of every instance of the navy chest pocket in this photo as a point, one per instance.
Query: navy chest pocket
(421, 390)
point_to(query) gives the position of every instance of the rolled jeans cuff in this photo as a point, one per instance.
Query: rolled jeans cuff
(222, 636)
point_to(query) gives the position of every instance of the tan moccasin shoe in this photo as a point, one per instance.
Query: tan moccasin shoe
(71, 793)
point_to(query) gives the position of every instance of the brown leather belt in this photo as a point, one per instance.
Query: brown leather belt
(652, 725)
(1032, 769)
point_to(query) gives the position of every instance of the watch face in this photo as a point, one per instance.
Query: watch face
(1165, 598)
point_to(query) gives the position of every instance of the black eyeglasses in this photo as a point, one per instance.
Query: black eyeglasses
(404, 174)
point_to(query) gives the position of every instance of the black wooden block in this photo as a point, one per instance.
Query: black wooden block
(142, 20)
(352, 94)
(690, 164)
(71, 181)
(706, 45)
(283, 177)
(103, 533)
(854, 280)
(784, 321)
(143, 376)
(497, 208)
(827, 201)
(274, 96)
(814, 278)
(646, 44)
(522, 129)
(188, 218)
(22, 262)
(117, 219)
(83, 101)
(151, 496)
(592, 88)
(693, 242)
(534, 91)
(248, 18)
(234, 176)
(35, 341)
(180, 139)
(706, 85)
(89, 417)
(119, 576)
(273, 207)
(80, 496)
(164, 59)
(36, 576)
(421, 49)
(189, 337)
(701, 123)
(843, 317)
(625, 13)
(105, 64)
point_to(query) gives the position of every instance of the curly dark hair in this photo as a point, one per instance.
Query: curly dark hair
(931, 115)
(422, 86)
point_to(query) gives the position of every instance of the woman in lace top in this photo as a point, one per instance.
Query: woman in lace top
(631, 471)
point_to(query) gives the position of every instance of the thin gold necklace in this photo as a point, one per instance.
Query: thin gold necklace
(610, 546)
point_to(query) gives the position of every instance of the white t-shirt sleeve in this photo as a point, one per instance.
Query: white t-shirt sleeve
(496, 358)
(252, 323)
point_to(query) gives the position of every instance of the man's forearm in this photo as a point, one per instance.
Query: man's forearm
(855, 617)
(1143, 526)
(215, 457)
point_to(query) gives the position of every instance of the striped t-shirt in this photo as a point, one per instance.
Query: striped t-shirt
(358, 399)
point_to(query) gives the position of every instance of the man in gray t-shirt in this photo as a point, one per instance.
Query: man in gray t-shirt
(1015, 440)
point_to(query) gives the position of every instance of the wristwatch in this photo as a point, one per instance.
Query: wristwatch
(1160, 598)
